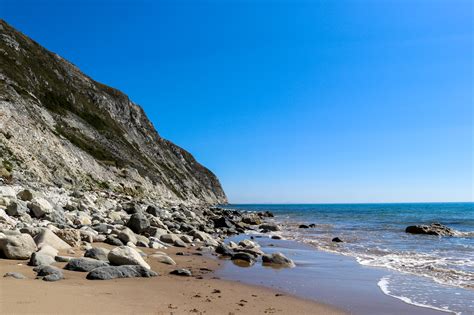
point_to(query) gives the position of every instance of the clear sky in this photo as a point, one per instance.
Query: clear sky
(289, 101)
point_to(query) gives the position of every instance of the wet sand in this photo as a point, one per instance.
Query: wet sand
(203, 293)
(325, 277)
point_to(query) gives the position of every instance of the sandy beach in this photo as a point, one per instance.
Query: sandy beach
(166, 294)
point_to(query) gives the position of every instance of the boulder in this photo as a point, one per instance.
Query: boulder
(112, 240)
(97, 253)
(17, 246)
(46, 237)
(222, 222)
(303, 226)
(125, 271)
(125, 255)
(337, 240)
(70, 236)
(84, 264)
(49, 273)
(138, 222)
(432, 229)
(277, 260)
(246, 257)
(39, 259)
(40, 206)
(182, 272)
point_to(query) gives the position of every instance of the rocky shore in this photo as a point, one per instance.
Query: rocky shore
(35, 226)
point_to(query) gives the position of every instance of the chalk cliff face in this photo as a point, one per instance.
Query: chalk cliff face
(60, 127)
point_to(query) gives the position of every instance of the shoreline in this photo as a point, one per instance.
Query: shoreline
(203, 293)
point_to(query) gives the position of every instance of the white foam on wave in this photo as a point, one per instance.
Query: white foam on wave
(383, 285)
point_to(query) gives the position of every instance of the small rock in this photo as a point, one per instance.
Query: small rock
(15, 275)
(182, 272)
(337, 240)
(165, 259)
(25, 195)
(303, 226)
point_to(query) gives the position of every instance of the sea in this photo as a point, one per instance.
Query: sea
(425, 270)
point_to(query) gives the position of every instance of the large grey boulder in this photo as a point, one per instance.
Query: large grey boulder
(98, 253)
(40, 207)
(125, 271)
(46, 237)
(138, 222)
(277, 260)
(17, 246)
(84, 264)
(125, 255)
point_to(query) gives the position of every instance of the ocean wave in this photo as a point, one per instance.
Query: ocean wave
(383, 284)
(448, 270)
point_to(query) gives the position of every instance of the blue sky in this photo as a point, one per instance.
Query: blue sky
(289, 101)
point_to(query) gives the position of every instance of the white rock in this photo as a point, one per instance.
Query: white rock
(46, 237)
(125, 255)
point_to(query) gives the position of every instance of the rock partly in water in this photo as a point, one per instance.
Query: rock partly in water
(270, 227)
(244, 257)
(337, 240)
(277, 260)
(432, 229)
(124, 271)
(224, 250)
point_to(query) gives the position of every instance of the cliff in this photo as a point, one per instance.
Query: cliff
(60, 127)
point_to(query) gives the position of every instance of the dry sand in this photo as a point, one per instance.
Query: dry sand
(166, 294)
